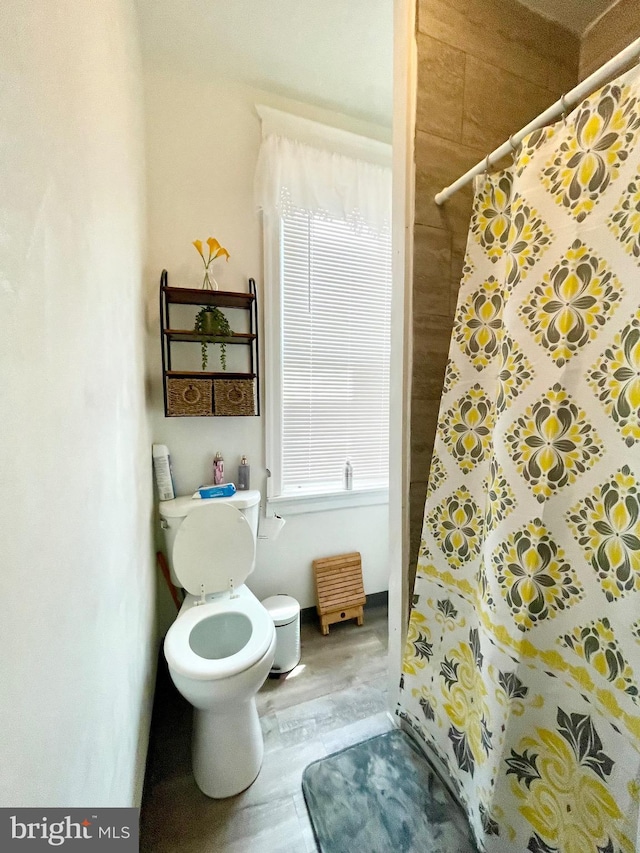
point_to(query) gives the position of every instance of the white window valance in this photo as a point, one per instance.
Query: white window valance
(320, 179)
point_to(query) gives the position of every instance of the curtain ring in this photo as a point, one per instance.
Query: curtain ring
(563, 105)
(513, 147)
(487, 164)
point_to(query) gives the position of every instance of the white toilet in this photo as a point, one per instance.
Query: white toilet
(221, 646)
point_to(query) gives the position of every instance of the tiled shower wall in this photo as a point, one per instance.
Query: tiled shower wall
(612, 32)
(485, 69)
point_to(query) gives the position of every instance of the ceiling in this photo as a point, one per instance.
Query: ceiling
(336, 54)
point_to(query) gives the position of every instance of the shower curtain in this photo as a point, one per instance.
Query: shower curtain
(521, 673)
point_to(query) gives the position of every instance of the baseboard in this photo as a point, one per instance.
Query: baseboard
(374, 600)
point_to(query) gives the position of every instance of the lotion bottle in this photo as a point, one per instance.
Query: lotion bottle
(243, 474)
(218, 469)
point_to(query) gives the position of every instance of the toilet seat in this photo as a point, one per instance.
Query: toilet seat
(185, 661)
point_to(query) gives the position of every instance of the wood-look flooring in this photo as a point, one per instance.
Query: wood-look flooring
(335, 698)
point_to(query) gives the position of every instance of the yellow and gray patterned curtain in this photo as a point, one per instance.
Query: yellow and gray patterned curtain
(521, 673)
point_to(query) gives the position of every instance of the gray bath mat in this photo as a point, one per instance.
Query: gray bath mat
(381, 796)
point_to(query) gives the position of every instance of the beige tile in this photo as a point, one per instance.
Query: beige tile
(562, 78)
(458, 250)
(497, 104)
(424, 421)
(440, 88)
(519, 27)
(598, 61)
(503, 33)
(563, 49)
(439, 163)
(612, 33)
(454, 290)
(431, 340)
(431, 270)
(417, 494)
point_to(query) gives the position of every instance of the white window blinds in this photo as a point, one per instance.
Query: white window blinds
(336, 297)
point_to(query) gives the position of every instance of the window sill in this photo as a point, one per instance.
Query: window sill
(319, 502)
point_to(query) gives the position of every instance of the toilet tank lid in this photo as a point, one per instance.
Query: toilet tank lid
(181, 507)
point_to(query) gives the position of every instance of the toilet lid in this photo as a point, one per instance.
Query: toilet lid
(214, 545)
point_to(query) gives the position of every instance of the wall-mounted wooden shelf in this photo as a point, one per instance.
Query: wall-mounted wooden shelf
(188, 336)
(201, 393)
(221, 298)
(203, 374)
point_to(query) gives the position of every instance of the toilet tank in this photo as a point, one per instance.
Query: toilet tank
(173, 513)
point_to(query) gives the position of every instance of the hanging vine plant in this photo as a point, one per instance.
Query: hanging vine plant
(211, 321)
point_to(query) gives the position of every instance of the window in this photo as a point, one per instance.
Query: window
(327, 327)
(336, 295)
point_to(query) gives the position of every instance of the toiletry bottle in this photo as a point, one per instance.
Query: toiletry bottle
(218, 469)
(348, 475)
(243, 474)
(162, 470)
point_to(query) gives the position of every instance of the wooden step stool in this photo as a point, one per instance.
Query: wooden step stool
(339, 589)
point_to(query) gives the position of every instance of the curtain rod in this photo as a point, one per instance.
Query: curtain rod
(561, 106)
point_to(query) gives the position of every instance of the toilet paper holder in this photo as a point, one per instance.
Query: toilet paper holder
(271, 527)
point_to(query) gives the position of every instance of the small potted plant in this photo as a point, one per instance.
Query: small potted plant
(211, 321)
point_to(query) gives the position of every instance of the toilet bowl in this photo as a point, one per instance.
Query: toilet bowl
(221, 646)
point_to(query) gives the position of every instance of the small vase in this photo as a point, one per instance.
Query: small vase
(209, 282)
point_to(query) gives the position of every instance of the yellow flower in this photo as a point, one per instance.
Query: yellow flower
(215, 249)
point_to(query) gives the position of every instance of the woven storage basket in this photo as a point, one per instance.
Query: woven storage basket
(189, 397)
(233, 397)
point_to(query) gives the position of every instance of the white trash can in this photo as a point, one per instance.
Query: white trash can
(285, 612)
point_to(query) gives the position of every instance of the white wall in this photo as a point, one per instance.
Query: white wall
(203, 137)
(336, 54)
(78, 581)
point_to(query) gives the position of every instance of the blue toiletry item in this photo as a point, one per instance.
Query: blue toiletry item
(223, 491)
